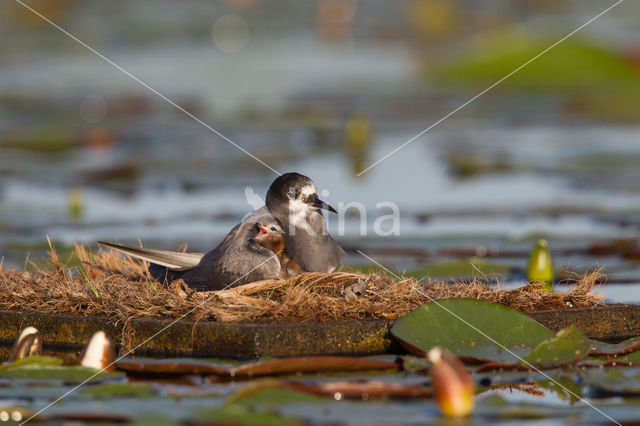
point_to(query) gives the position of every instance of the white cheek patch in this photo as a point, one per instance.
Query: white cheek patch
(298, 211)
(299, 217)
(308, 190)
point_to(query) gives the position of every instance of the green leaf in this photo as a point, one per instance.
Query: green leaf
(611, 349)
(32, 362)
(460, 270)
(54, 372)
(567, 347)
(238, 414)
(470, 328)
(612, 381)
(259, 404)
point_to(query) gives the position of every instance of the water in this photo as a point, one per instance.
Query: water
(508, 169)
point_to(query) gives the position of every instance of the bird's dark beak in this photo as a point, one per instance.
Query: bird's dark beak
(319, 204)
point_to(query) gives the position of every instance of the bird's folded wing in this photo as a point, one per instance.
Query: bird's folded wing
(174, 260)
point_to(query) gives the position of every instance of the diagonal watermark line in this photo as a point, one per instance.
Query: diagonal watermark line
(490, 87)
(70, 391)
(496, 342)
(103, 57)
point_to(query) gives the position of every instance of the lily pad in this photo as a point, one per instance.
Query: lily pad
(69, 374)
(240, 414)
(32, 361)
(612, 381)
(364, 389)
(567, 347)
(50, 368)
(259, 403)
(472, 329)
(311, 364)
(460, 270)
(633, 358)
(171, 366)
(614, 349)
(565, 387)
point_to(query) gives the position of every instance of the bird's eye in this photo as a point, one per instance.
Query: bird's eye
(291, 195)
(273, 228)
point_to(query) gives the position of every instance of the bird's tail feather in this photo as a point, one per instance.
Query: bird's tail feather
(173, 261)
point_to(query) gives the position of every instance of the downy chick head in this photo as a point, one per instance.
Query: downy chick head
(267, 232)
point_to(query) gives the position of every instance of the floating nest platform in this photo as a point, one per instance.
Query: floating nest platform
(338, 313)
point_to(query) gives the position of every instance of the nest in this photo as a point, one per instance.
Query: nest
(121, 289)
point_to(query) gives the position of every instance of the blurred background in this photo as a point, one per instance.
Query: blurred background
(326, 88)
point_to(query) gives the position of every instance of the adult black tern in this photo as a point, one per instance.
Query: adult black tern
(285, 238)
(293, 200)
(252, 251)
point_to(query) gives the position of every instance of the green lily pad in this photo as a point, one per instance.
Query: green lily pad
(612, 381)
(460, 270)
(567, 347)
(495, 57)
(72, 374)
(470, 328)
(45, 367)
(565, 387)
(612, 349)
(259, 405)
(32, 362)
(238, 414)
(633, 357)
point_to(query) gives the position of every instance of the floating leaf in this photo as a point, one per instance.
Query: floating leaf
(258, 403)
(611, 349)
(171, 366)
(69, 374)
(240, 414)
(294, 365)
(470, 328)
(565, 387)
(633, 358)
(32, 362)
(412, 364)
(311, 364)
(473, 267)
(567, 347)
(367, 389)
(610, 381)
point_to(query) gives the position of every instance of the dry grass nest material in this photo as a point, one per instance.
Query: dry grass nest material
(121, 289)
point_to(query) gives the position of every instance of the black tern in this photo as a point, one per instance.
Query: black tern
(286, 237)
(252, 251)
(293, 200)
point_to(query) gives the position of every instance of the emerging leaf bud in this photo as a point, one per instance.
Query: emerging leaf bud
(452, 382)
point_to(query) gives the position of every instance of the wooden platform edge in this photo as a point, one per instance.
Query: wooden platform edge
(166, 338)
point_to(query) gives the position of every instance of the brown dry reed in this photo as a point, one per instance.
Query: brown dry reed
(121, 289)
